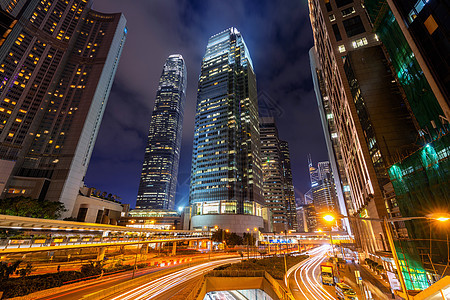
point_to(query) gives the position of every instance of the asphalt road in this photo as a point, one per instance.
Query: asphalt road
(305, 283)
(169, 285)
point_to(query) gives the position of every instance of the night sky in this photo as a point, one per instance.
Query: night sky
(278, 35)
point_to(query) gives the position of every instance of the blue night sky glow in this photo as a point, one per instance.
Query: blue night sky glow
(278, 35)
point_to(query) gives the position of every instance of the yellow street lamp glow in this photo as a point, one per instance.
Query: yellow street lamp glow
(441, 217)
(320, 230)
(255, 229)
(215, 227)
(329, 218)
(248, 229)
(227, 230)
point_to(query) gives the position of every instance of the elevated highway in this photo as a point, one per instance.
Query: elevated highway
(41, 235)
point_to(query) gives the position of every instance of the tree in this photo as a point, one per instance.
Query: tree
(249, 239)
(231, 238)
(92, 268)
(33, 208)
(25, 271)
(7, 269)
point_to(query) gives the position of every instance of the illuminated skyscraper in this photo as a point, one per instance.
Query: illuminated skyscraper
(273, 175)
(160, 169)
(277, 175)
(226, 177)
(57, 67)
(288, 185)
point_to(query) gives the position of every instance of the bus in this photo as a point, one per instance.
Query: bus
(326, 273)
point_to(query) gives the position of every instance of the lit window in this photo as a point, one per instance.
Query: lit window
(359, 43)
(332, 17)
(341, 48)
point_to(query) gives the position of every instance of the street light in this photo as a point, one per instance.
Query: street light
(441, 217)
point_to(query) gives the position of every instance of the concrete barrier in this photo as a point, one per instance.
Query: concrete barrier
(225, 280)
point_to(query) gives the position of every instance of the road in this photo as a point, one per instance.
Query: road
(304, 282)
(167, 286)
(92, 286)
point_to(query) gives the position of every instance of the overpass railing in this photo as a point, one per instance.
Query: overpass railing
(9, 243)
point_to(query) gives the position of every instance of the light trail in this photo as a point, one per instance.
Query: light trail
(306, 280)
(163, 284)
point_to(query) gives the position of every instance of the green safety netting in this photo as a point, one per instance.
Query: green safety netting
(420, 97)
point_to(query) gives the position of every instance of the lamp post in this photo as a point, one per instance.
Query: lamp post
(436, 216)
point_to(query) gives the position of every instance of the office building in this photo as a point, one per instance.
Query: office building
(277, 176)
(58, 65)
(226, 177)
(289, 192)
(371, 117)
(415, 35)
(158, 183)
(342, 187)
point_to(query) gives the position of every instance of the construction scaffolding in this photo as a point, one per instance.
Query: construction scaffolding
(418, 92)
(422, 186)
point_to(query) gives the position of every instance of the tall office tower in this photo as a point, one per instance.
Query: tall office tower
(415, 34)
(331, 141)
(58, 65)
(372, 120)
(323, 188)
(308, 197)
(226, 176)
(301, 219)
(158, 183)
(277, 174)
(288, 185)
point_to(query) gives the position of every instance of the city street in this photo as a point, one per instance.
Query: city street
(305, 283)
(170, 285)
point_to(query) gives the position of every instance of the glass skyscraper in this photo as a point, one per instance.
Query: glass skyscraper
(226, 176)
(158, 183)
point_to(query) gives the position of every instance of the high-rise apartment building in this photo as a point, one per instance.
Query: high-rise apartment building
(158, 183)
(226, 176)
(277, 176)
(58, 65)
(371, 117)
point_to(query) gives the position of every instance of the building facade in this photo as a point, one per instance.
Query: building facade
(331, 140)
(277, 176)
(58, 65)
(226, 176)
(372, 119)
(415, 35)
(289, 192)
(158, 183)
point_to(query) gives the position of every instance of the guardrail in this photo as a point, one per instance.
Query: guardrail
(279, 290)
(235, 273)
